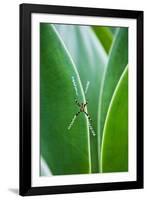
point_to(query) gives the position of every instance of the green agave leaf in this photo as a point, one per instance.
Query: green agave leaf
(114, 157)
(118, 59)
(44, 169)
(65, 151)
(105, 35)
(90, 59)
(113, 29)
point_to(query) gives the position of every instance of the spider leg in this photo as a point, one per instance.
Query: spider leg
(78, 104)
(72, 122)
(88, 116)
(86, 103)
(90, 125)
(77, 113)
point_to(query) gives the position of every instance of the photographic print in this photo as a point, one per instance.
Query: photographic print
(83, 99)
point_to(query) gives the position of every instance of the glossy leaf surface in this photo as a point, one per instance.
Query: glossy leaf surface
(114, 157)
(90, 59)
(118, 59)
(105, 35)
(65, 151)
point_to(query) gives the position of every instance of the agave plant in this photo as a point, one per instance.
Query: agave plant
(98, 55)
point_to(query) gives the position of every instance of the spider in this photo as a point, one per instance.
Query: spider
(82, 108)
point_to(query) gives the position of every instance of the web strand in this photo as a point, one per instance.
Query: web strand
(91, 128)
(74, 85)
(87, 86)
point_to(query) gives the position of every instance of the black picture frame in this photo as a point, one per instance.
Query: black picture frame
(25, 187)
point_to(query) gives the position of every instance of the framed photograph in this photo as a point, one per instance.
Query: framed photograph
(81, 99)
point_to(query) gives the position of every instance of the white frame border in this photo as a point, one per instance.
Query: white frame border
(131, 175)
